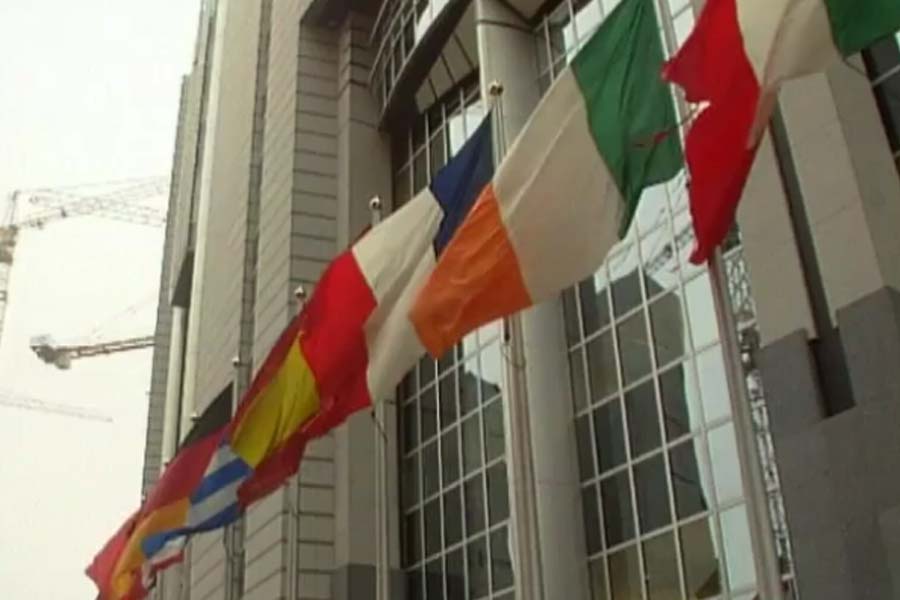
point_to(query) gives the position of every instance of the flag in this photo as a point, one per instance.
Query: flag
(568, 188)
(351, 343)
(737, 56)
(122, 569)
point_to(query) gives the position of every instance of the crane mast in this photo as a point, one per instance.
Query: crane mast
(62, 355)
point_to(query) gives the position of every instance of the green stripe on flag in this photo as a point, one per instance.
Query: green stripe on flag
(629, 106)
(855, 24)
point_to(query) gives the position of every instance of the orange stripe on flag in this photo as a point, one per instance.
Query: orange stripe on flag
(477, 280)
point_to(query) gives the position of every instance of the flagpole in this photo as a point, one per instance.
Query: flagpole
(527, 564)
(382, 521)
(765, 556)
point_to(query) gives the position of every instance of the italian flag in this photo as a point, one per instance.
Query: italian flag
(735, 59)
(568, 187)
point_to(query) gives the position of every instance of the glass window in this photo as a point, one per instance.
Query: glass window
(700, 555)
(634, 348)
(583, 445)
(594, 296)
(652, 494)
(478, 568)
(668, 329)
(681, 414)
(570, 312)
(413, 533)
(597, 571)
(450, 457)
(661, 566)
(471, 443)
(410, 480)
(726, 466)
(491, 372)
(609, 437)
(452, 516)
(688, 464)
(429, 413)
(434, 579)
(738, 549)
(626, 286)
(498, 493)
(501, 564)
(493, 430)
(456, 575)
(414, 581)
(447, 389)
(468, 385)
(474, 497)
(602, 366)
(592, 531)
(576, 371)
(713, 384)
(643, 419)
(430, 467)
(625, 574)
(701, 311)
(433, 528)
(617, 515)
(410, 427)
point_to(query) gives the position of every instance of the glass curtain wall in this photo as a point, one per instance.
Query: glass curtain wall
(664, 505)
(454, 498)
(883, 63)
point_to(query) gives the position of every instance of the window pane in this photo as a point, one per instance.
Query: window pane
(592, 532)
(474, 496)
(498, 493)
(583, 445)
(450, 457)
(471, 440)
(602, 366)
(501, 564)
(576, 372)
(701, 312)
(617, 516)
(493, 430)
(691, 490)
(431, 472)
(456, 575)
(681, 414)
(633, 347)
(432, 527)
(597, 570)
(491, 372)
(410, 481)
(452, 516)
(412, 534)
(410, 427)
(429, 413)
(438, 152)
(609, 436)
(661, 566)
(478, 576)
(643, 419)
(652, 494)
(738, 549)
(625, 574)
(414, 585)
(701, 560)
(725, 463)
(668, 329)
(570, 314)
(434, 580)
(447, 389)
(594, 295)
(713, 385)
(468, 385)
(626, 286)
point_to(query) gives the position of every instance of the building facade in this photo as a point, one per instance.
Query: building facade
(660, 431)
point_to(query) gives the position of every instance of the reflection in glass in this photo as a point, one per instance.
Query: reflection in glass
(602, 366)
(491, 372)
(643, 419)
(713, 385)
(429, 413)
(634, 348)
(431, 472)
(432, 527)
(726, 465)
(652, 494)
(474, 498)
(661, 566)
(626, 287)
(426, 371)
(498, 493)
(583, 445)
(668, 329)
(609, 436)
(468, 385)
(450, 457)
(594, 295)
(701, 560)
(456, 575)
(617, 516)
(493, 430)
(587, 18)
(434, 579)
(471, 443)
(501, 564)
(625, 574)
(592, 533)
(679, 401)
(691, 490)
(597, 570)
(476, 554)
(701, 311)
(738, 549)
(452, 517)
(447, 389)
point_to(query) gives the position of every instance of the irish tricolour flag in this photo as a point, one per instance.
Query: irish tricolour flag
(736, 58)
(567, 189)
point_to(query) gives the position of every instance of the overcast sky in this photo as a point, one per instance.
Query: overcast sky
(88, 93)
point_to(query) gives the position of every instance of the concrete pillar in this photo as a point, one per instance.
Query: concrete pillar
(364, 171)
(506, 54)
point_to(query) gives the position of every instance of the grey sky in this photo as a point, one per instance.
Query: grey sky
(88, 92)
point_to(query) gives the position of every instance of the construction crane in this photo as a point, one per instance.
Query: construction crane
(117, 200)
(11, 400)
(62, 355)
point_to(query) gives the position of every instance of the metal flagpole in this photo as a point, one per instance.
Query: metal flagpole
(382, 507)
(761, 532)
(527, 566)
